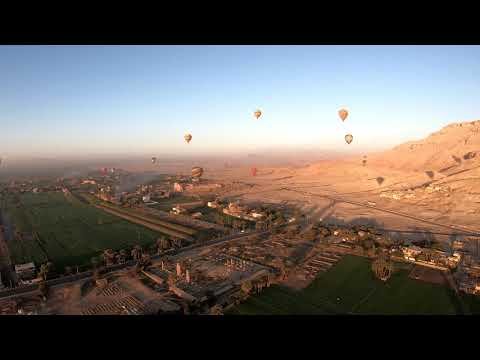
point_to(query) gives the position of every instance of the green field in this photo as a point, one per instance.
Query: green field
(70, 232)
(350, 288)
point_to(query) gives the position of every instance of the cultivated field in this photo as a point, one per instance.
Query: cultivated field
(350, 288)
(69, 231)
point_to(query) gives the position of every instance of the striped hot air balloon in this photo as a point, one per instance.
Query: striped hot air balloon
(197, 172)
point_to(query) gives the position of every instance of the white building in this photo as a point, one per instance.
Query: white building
(213, 204)
(177, 187)
(179, 210)
(256, 215)
(88, 181)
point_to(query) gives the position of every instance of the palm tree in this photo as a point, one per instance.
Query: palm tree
(136, 252)
(382, 267)
(247, 287)
(45, 269)
(216, 310)
(108, 257)
(122, 256)
(162, 244)
(170, 280)
(68, 270)
(158, 243)
(95, 262)
(177, 243)
(270, 219)
(144, 261)
(42, 286)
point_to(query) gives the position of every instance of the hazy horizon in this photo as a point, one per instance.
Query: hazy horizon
(69, 102)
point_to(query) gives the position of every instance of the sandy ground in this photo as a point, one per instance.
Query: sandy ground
(324, 189)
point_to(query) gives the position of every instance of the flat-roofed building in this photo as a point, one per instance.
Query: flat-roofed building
(25, 271)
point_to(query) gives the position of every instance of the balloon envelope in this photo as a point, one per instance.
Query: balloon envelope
(348, 138)
(257, 114)
(343, 113)
(154, 159)
(380, 180)
(187, 138)
(197, 171)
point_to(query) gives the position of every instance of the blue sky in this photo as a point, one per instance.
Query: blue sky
(66, 100)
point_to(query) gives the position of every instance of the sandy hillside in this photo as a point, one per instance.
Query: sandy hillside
(437, 179)
(453, 146)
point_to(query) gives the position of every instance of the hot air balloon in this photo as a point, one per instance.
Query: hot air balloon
(469, 155)
(343, 113)
(380, 180)
(257, 114)
(188, 138)
(382, 268)
(348, 138)
(253, 171)
(364, 162)
(197, 172)
(154, 159)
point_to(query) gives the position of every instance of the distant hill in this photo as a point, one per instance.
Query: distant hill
(456, 145)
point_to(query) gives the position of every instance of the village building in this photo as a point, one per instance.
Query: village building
(178, 209)
(177, 187)
(411, 252)
(197, 215)
(213, 204)
(236, 210)
(162, 194)
(26, 271)
(257, 215)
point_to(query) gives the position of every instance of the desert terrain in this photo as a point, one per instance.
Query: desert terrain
(429, 187)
